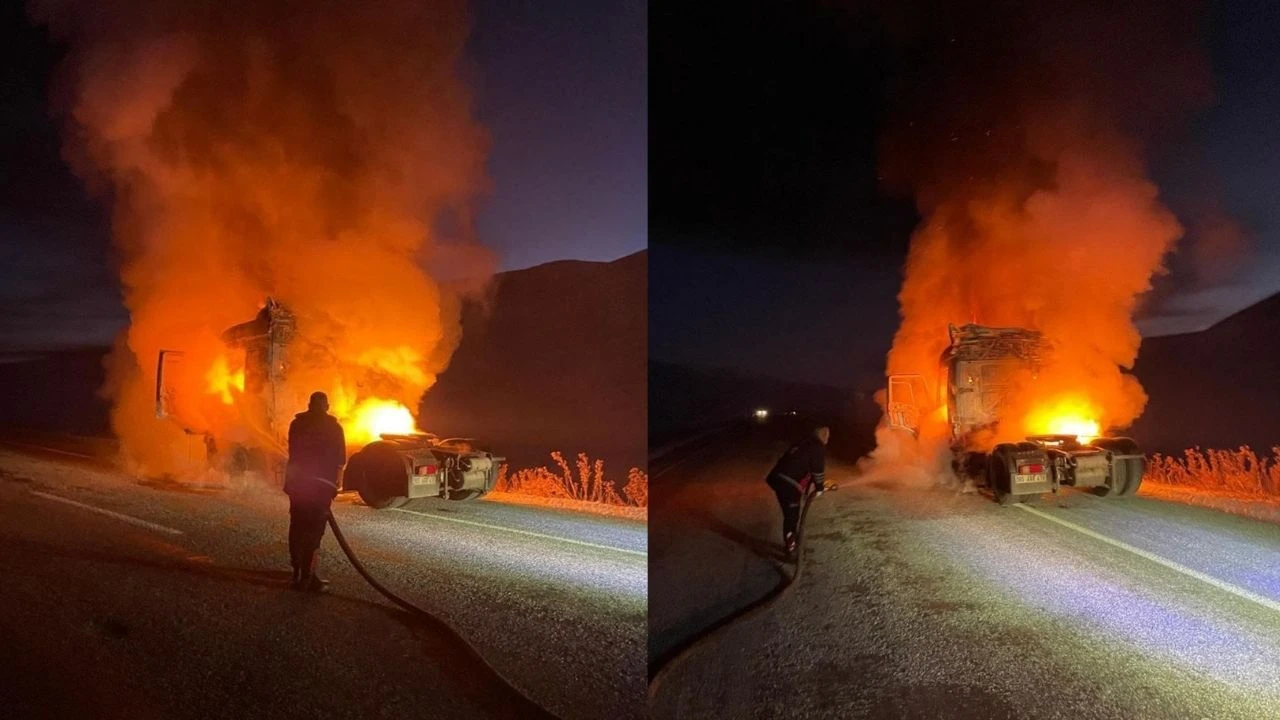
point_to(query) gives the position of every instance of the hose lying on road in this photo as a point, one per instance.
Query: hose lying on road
(659, 671)
(417, 611)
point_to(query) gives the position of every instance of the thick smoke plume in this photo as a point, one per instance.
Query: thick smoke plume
(321, 153)
(1023, 134)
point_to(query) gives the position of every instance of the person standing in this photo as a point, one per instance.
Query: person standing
(317, 452)
(801, 466)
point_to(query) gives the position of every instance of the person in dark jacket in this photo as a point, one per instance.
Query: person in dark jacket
(317, 452)
(801, 466)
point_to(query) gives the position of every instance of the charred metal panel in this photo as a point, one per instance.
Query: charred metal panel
(166, 390)
(986, 367)
(265, 341)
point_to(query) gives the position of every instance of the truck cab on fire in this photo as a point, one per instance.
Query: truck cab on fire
(386, 473)
(980, 371)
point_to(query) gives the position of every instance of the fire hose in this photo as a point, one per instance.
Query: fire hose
(675, 657)
(534, 709)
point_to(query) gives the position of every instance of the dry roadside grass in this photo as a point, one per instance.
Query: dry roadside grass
(589, 484)
(1241, 471)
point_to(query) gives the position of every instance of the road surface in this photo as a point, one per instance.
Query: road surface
(129, 600)
(920, 603)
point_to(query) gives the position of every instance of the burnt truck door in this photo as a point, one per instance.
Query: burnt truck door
(969, 396)
(980, 391)
(166, 383)
(907, 401)
(168, 407)
(983, 390)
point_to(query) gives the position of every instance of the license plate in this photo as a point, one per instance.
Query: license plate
(1037, 478)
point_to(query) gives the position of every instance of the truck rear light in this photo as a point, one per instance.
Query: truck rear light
(1030, 469)
(425, 470)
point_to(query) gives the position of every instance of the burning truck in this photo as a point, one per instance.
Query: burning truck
(981, 372)
(401, 464)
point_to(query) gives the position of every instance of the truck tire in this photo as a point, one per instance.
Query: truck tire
(998, 476)
(1128, 472)
(1134, 469)
(382, 476)
(970, 466)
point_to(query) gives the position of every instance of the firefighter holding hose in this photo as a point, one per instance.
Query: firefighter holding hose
(317, 452)
(801, 466)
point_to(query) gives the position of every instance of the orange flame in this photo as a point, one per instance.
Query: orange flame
(222, 381)
(368, 420)
(1070, 416)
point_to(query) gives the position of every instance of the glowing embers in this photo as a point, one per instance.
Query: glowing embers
(1065, 416)
(224, 382)
(370, 419)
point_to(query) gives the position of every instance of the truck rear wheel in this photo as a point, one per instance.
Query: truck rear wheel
(1000, 471)
(381, 476)
(1126, 472)
(1129, 472)
(998, 476)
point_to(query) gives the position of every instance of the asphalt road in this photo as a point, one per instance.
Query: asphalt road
(123, 599)
(921, 603)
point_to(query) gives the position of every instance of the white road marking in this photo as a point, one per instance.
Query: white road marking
(1221, 585)
(530, 533)
(110, 513)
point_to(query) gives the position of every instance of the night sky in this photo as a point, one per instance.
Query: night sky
(775, 247)
(561, 86)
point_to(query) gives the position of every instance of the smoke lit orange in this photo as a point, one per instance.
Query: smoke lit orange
(1066, 253)
(326, 157)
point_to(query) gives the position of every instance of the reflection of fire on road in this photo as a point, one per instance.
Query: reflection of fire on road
(322, 156)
